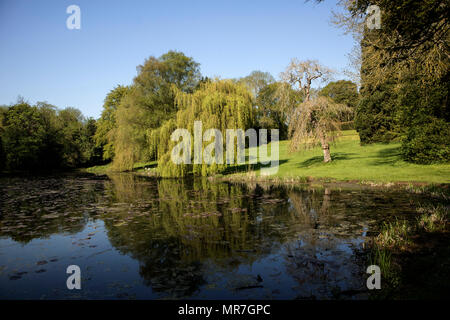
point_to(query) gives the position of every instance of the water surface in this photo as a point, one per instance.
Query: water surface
(141, 238)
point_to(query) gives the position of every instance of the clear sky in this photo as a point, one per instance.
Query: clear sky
(42, 60)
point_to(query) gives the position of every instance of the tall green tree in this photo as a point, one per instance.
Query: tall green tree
(23, 137)
(377, 114)
(3, 110)
(222, 105)
(91, 153)
(45, 137)
(405, 75)
(271, 113)
(71, 129)
(257, 80)
(150, 103)
(107, 124)
(51, 151)
(342, 91)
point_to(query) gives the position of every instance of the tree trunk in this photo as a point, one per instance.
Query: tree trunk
(326, 149)
(307, 89)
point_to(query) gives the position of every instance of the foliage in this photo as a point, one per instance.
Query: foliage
(91, 153)
(428, 142)
(23, 136)
(44, 137)
(3, 110)
(270, 111)
(375, 118)
(434, 218)
(257, 80)
(404, 74)
(424, 114)
(106, 125)
(394, 234)
(316, 121)
(221, 105)
(71, 129)
(149, 103)
(313, 121)
(343, 92)
(413, 32)
(2, 155)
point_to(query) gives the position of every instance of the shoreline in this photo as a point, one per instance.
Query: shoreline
(438, 190)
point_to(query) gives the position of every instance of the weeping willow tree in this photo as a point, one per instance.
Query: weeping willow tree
(221, 105)
(106, 125)
(129, 133)
(149, 104)
(317, 119)
(316, 122)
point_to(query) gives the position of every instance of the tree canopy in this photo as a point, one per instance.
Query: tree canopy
(45, 137)
(106, 125)
(220, 104)
(149, 103)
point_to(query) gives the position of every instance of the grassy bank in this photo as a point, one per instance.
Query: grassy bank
(138, 167)
(375, 163)
(414, 256)
(351, 162)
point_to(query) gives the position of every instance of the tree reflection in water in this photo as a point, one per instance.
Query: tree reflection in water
(188, 235)
(172, 227)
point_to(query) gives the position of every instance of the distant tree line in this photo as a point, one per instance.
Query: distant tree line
(42, 137)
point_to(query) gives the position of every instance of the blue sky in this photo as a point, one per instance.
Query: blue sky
(42, 60)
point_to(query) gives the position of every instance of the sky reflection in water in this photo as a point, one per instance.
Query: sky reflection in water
(139, 238)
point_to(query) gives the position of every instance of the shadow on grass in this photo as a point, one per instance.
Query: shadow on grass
(388, 155)
(319, 159)
(248, 167)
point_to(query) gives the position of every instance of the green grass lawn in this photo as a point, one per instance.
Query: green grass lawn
(351, 161)
(138, 167)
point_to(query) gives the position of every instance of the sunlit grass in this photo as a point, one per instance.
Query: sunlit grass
(138, 167)
(394, 234)
(434, 218)
(351, 161)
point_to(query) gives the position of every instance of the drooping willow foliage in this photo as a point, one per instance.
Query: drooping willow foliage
(315, 122)
(129, 134)
(149, 104)
(220, 104)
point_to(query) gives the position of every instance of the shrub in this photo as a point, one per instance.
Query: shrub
(428, 142)
(375, 115)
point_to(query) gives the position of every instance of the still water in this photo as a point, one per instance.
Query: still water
(142, 238)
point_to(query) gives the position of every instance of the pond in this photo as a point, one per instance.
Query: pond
(142, 238)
